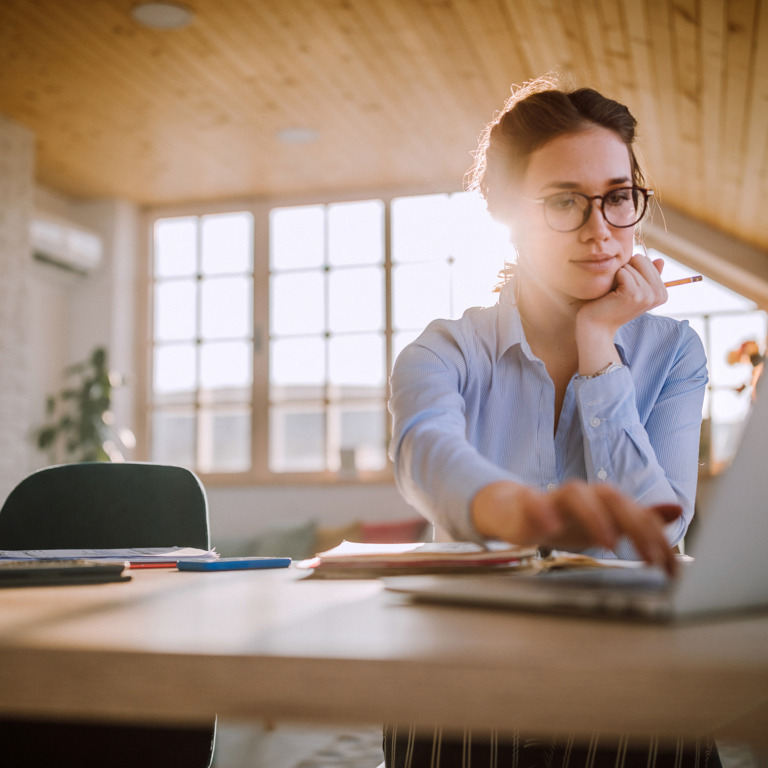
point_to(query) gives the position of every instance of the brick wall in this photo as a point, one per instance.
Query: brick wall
(16, 200)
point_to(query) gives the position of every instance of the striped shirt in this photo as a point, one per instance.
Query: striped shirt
(473, 405)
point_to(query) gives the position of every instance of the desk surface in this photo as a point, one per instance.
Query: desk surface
(175, 646)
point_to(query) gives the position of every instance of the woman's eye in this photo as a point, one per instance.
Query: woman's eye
(619, 197)
(563, 202)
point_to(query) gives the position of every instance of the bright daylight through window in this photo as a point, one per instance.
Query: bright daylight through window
(272, 361)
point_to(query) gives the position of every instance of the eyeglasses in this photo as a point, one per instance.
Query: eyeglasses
(569, 211)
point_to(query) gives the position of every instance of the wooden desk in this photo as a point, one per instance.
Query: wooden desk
(176, 646)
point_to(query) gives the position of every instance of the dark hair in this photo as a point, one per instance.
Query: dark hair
(534, 115)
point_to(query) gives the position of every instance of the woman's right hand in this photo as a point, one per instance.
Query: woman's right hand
(573, 517)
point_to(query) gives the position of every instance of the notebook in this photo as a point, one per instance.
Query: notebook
(729, 570)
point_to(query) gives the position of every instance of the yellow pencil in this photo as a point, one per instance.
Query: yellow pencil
(683, 281)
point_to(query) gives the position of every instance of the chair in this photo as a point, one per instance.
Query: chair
(106, 506)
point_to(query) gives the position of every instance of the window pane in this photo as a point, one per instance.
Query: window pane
(297, 439)
(474, 232)
(420, 293)
(225, 440)
(174, 369)
(297, 304)
(297, 237)
(175, 247)
(173, 438)
(297, 362)
(356, 233)
(227, 243)
(356, 300)
(728, 409)
(356, 361)
(227, 364)
(226, 308)
(420, 228)
(473, 283)
(175, 303)
(481, 248)
(363, 437)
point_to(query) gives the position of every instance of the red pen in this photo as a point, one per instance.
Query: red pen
(160, 564)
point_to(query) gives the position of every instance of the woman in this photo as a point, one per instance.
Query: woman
(564, 416)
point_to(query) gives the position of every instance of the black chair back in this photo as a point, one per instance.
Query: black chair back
(104, 505)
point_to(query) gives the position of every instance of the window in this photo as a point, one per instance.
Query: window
(202, 342)
(274, 329)
(724, 320)
(300, 387)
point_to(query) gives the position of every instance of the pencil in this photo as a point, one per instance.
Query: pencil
(683, 281)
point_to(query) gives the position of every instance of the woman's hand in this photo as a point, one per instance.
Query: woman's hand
(638, 288)
(575, 516)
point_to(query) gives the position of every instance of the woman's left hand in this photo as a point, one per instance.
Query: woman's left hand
(637, 289)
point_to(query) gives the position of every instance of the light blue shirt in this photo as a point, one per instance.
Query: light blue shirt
(473, 405)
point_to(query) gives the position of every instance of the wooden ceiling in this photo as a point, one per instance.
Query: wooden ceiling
(397, 90)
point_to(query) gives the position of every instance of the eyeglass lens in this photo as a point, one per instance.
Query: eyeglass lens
(567, 211)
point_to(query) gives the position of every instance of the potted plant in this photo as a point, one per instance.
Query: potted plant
(81, 424)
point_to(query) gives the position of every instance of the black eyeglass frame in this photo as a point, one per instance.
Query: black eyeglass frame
(646, 193)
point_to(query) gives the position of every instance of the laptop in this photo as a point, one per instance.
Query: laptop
(728, 572)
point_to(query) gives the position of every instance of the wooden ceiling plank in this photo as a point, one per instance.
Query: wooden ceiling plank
(588, 22)
(615, 52)
(538, 28)
(523, 27)
(644, 106)
(687, 87)
(584, 68)
(735, 112)
(663, 88)
(435, 33)
(371, 94)
(713, 31)
(754, 187)
(500, 56)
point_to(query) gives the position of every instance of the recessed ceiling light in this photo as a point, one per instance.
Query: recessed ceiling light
(162, 15)
(297, 135)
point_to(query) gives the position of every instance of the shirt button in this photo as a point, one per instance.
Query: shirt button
(601, 474)
(551, 486)
(595, 421)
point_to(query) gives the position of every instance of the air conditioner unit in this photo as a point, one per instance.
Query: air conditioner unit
(65, 245)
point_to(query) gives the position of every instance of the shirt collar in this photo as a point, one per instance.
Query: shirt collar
(510, 331)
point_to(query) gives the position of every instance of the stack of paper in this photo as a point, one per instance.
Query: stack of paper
(354, 560)
(148, 555)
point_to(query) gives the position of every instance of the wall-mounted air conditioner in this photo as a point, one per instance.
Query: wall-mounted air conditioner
(65, 245)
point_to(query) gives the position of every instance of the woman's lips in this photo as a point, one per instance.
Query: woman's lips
(600, 263)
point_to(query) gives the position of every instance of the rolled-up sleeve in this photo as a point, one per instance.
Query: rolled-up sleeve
(437, 470)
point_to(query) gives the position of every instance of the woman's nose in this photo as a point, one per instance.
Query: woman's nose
(596, 226)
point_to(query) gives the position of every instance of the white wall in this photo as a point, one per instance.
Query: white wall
(16, 307)
(68, 315)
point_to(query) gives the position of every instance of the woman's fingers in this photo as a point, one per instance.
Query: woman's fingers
(573, 517)
(644, 526)
(600, 514)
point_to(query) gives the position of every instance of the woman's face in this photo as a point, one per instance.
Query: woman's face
(581, 264)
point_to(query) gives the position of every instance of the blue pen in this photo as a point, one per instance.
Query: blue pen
(233, 563)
